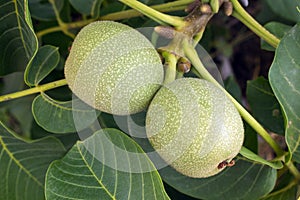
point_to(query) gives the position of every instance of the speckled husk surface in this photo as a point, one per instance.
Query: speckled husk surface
(194, 127)
(113, 68)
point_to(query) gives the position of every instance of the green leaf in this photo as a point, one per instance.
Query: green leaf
(68, 140)
(62, 116)
(251, 139)
(254, 157)
(43, 10)
(87, 7)
(46, 59)
(289, 193)
(245, 180)
(16, 113)
(285, 82)
(264, 105)
(233, 88)
(23, 164)
(278, 29)
(17, 39)
(286, 9)
(107, 165)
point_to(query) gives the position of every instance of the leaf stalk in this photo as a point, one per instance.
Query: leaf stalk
(34, 90)
(241, 14)
(170, 67)
(157, 16)
(125, 14)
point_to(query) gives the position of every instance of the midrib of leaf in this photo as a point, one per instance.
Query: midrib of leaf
(42, 64)
(19, 25)
(10, 154)
(142, 182)
(130, 175)
(262, 90)
(153, 186)
(116, 177)
(92, 172)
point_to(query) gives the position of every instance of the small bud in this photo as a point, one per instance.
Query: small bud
(183, 65)
(228, 8)
(205, 9)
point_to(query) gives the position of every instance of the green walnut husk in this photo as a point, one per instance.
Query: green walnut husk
(113, 68)
(194, 127)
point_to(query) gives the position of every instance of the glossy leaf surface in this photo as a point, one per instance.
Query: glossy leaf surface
(43, 10)
(284, 79)
(286, 9)
(264, 105)
(17, 39)
(246, 180)
(46, 59)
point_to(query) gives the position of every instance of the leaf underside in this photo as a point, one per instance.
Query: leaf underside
(107, 165)
(62, 116)
(23, 165)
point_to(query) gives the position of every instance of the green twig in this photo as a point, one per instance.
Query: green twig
(126, 14)
(166, 7)
(37, 89)
(241, 14)
(48, 30)
(196, 62)
(170, 67)
(71, 25)
(157, 16)
(282, 190)
(64, 26)
(293, 169)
